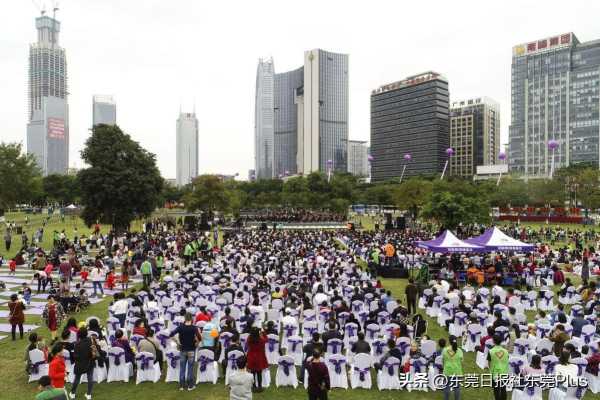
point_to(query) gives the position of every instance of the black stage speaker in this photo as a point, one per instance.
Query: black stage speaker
(400, 223)
(388, 221)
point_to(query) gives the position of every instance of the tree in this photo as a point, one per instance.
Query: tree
(20, 177)
(412, 194)
(510, 192)
(208, 194)
(62, 189)
(544, 192)
(122, 182)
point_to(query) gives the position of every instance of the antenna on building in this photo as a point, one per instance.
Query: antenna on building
(54, 10)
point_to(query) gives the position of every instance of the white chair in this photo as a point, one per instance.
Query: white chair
(336, 364)
(529, 301)
(372, 332)
(428, 348)
(544, 344)
(39, 366)
(570, 393)
(147, 370)
(435, 369)
(208, 368)
(225, 340)
(515, 366)
(334, 346)
(388, 375)
(472, 337)
(289, 331)
(232, 364)
(172, 357)
(308, 328)
(360, 375)
(446, 313)
(527, 393)
(294, 349)
(350, 330)
(546, 303)
(272, 349)
(403, 344)
(459, 325)
(549, 363)
(520, 348)
(587, 333)
(434, 310)
(286, 372)
(418, 379)
(119, 369)
(100, 373)
(593, 382)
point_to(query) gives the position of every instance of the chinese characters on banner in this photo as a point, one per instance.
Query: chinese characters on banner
(56, 128)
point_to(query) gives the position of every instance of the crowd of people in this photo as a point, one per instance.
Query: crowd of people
(264, 298)
(291, 215)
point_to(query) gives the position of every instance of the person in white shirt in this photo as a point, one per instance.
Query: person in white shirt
(120, 308)
(569, 371)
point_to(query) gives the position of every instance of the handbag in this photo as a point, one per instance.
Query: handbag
(94, 349)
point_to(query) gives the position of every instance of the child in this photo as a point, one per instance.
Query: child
(26, 293)
(12, 266)
(84, 275)
(84, 300)
(110, 280)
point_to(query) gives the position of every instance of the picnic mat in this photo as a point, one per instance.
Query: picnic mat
(26, 328)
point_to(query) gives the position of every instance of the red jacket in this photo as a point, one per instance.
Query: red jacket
(56, 372)
(257, 358)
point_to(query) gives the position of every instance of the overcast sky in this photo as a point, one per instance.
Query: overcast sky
(155, 55)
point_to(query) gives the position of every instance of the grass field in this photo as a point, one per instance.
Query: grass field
(15, 387)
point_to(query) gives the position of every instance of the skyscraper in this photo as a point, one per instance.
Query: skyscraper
(474, 135)
(48, 126)
(301, 116)
(187, 148)
(104, 110)
(409, 117)
(358, 161)
(323, 134)
(555, 90)
(263, 120)
(286, 121)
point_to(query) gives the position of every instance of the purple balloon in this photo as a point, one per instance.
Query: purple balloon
(329, 162)
(370, 158)
(287, 172)
(407, 157)
(552, 144)
(502, 156)
(449, 151)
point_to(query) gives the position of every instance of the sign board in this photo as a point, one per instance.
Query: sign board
(56, 128)
(564, 40)
(492, 169)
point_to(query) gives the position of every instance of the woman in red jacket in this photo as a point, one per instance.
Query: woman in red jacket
(56, 368)
(257, 358)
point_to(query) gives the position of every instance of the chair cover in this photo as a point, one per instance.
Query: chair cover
(334, 346)
(294, 349)
(436, 368)
(286, 372)
(272, 349)
(481, 357)
(338, 376)
(118, 369)
(69, 364)
(388, 376)
(472, 337)
(39, 366)
(360, 375)
(378, 348)
(232, 364)
(172, 358)
(418, 379)
(208, 368)
(147, 370)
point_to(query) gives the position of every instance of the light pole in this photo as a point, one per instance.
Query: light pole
(407, 158)
(449, 153)
(329, 168)
(501, 157)
(552, 145)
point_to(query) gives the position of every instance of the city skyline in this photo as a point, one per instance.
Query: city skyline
(100, 61)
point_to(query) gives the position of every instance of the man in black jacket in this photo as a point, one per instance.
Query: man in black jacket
(189, 337)
(332, 333)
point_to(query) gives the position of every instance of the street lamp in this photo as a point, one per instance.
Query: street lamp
(552, 145)
(449, 153)
(329, 168)
(501, 157)
(407, 157)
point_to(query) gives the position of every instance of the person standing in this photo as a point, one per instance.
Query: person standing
(53, 315)
(146, 270)
(85, 352)
(16, 316)
(57, 368)
(318, 377)
(585, 270)
(257, 358)
(65, 270)
(97, 277)
(498, 362)
(189, 336)
(452, 358)
(241, 382)
(7, 240)
(412, 292)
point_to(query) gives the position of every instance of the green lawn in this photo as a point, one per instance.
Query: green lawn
(15, 387)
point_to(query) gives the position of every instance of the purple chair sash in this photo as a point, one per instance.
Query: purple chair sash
(587, 338)
(437, 303)
(226, 340)
(289, 330)
(163, 339)
(117, 358)
(351, 330)
(579, 392)
(294, 344)
(543, 332)
(516, 366)
(550, 367)
(438, 367)
(203, 362)
(461, 320)
(417, 365)
(581, 368)
(310, 330)
(173, 359)
(286, 365)
(231, 361)
(473, 336)
(521, 348)
(114, 325)
(482, 320)
(390, 367)
(378, 347)
(35, 367)
(371, 332)
(271, 343)
(403, 347)
(337, 365)
(144, 362)
(334, 346)
(362, 373)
